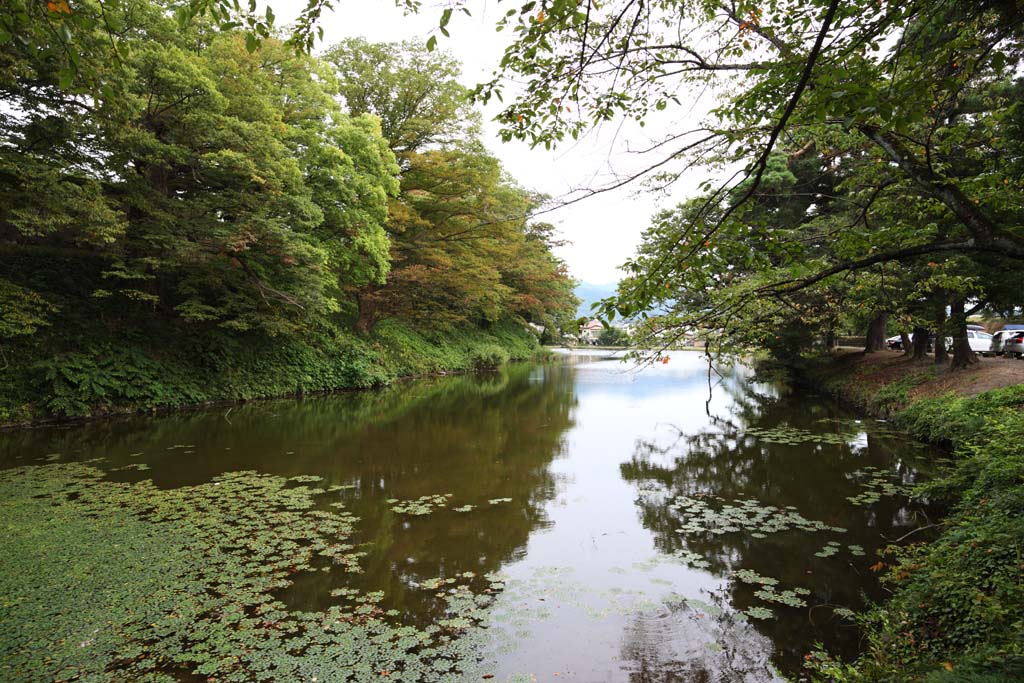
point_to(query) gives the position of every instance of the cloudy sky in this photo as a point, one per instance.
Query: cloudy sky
(603, 230)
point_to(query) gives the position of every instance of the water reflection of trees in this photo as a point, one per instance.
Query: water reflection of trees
(725, 460)
(681, 644)
(478, 437)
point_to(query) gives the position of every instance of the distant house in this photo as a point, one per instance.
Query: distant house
(590, 332)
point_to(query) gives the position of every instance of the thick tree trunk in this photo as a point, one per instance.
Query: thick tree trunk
(963, 355)
(876, 333)
(920, 343)
(941, 356)
(905, 343)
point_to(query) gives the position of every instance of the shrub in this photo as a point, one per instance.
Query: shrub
(490, 356)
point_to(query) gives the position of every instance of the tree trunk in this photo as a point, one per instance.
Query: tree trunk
(366, 300)
(963, 355)
(920, 343)
(941, 356)
(876, 333)
(905, 343)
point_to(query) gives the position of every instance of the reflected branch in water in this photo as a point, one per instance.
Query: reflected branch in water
(688, 641)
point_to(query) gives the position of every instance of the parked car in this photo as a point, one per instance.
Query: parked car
(1013, 343)
(980, 341)
(895, 343)
(995, 347)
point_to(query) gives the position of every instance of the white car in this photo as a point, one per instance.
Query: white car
(980, 341)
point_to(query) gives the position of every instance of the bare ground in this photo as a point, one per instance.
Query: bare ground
(875, 370)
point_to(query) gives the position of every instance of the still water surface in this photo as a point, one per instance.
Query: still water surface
(604, 465)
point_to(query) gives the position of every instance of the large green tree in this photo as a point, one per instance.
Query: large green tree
(207, 183)
(463, 248)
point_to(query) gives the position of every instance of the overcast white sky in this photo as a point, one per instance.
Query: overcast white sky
(603, 230)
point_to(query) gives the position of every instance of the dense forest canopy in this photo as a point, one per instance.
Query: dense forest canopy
(869, 156)
(168, 187)
(869, 153)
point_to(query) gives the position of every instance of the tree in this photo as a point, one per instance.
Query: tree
(613, 336)
(887, 92)
(207, 184)
(415, 93)
(462, 246)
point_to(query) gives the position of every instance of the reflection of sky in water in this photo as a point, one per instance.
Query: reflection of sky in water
(615, 607)
(598, 595)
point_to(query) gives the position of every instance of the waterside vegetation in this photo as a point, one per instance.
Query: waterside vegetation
(956, 611)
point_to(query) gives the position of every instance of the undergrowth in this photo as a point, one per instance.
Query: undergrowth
(140, 374)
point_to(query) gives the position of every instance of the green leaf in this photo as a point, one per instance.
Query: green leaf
(65, 77)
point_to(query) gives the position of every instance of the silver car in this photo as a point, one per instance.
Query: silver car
(995, 347)
(1013, 343)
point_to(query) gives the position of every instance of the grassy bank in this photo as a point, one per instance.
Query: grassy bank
(957, 606)
(132, 375)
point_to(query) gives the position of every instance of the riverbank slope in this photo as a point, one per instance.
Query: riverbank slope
(126, 376)
(957, 606)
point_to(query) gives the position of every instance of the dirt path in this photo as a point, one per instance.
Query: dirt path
(884, 367)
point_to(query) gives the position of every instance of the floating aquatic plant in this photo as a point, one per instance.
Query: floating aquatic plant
(759, 613)
(830, 549)
(698, 516)
(691, 559)
(876, 484)
(138, 467)
(168, 584)
(750, 576)
(787, 597)
(423, 505)
(796, 435)
(305, 478)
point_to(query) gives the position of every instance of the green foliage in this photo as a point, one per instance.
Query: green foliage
(111, 378)
(462, 246)
(188, 214)
(896, 394)
(75, 383)
(489, 357)
(957, 420)
(22, 311)
(869, 141)
(613, 336)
